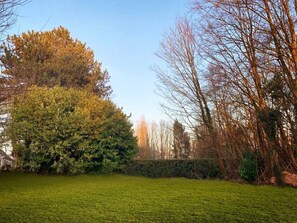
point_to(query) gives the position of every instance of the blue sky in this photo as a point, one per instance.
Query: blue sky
(124, 35)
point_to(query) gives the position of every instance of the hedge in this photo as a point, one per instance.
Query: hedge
(193, 168)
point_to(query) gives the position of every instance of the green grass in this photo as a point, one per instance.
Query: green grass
(119, 198)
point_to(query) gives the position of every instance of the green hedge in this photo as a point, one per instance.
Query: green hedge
(197, 169)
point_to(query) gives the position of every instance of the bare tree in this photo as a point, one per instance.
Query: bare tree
(155, 140)
(8, 15)
(252, 44)
(165, 140)
(182, 86)
(232, 78)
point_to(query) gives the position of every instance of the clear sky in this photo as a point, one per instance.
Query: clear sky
(124, 35)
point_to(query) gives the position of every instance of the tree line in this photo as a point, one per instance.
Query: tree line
(163, 140)
(231, 78)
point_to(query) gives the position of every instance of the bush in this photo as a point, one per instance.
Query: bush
(198, 168)
(69, 131)
(248, 169)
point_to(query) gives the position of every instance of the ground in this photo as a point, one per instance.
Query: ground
(119, 198)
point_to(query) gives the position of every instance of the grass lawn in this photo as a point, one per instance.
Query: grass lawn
(119, 198)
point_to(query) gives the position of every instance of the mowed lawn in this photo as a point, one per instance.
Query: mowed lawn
(120, 198)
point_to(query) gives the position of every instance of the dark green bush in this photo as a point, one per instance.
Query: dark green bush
(248, 169)
(69, 131)
(197, 169)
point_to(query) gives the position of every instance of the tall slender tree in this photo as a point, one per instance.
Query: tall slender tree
(181, 141)
(142, 134)
(182, 87)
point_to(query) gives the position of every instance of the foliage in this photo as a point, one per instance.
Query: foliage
(52, 58)
(198, 169)
(143, 140)
(269, 118)
(92, 198)
(248, 169)
(69, 131)
(181, 141)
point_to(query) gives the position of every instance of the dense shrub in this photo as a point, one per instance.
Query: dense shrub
(248, 169)
(198, 168)
(69, 131)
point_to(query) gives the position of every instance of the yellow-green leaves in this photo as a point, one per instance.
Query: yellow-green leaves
(69, 131)
(53, 58)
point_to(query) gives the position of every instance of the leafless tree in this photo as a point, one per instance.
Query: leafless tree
(256, 61)
(8, 14)
(182, 86)
(232, 77)
(155, 140)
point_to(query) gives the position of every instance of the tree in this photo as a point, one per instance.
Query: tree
(155, 140)
(69, 131)
(144, 151)
(164, 138)
(249, 47)
(232, 80)
(52, 58)
(182, 87)
(181, 142)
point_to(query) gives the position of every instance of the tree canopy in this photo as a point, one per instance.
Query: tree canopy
(61, 130)
(52, 58)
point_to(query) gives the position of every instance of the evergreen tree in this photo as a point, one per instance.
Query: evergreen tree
(52, 58)
(181, 141)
